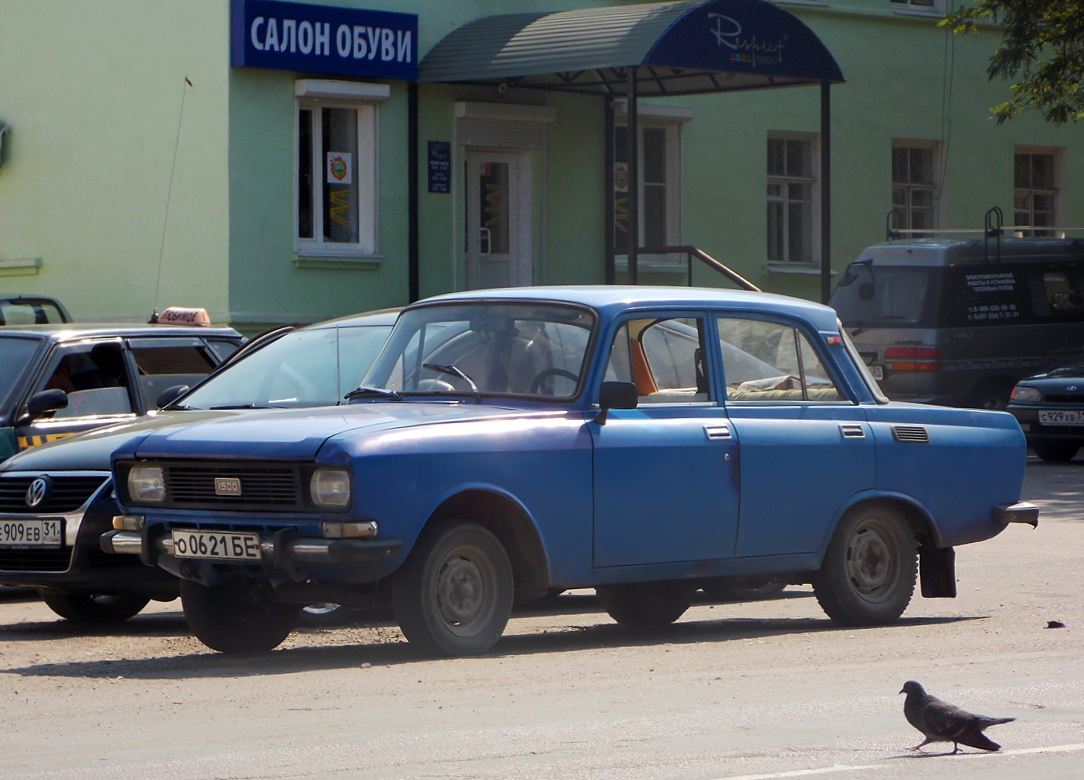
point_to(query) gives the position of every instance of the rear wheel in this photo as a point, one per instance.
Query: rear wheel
(1056, 451)
(870, 568)
(93, 607)
(237, 616)
(646, 604)
(991, 394)
(453, 595)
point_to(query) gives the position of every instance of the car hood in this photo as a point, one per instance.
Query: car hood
(90, 451)
(299, 434)
(1068, 371)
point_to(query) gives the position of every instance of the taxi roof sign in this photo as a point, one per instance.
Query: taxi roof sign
(179, 315)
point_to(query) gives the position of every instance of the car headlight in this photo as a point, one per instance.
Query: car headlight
(1026, 395)
(146, 483)
(330, 488)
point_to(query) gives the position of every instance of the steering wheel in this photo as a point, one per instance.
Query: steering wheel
(546, 373)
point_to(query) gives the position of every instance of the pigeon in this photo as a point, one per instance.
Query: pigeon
(942, 722)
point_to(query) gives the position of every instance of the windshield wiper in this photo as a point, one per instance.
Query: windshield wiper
(379, 392)
(235, 406)
(457, 372)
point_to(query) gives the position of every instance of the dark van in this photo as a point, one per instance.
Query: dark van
(958, 321)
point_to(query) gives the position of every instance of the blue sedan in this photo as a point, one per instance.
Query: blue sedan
(645, 442)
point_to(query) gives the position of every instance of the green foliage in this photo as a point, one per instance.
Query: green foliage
(1041, 52)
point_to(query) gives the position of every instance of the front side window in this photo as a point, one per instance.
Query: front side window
(1035, 192)
(769, 362)
(914, 186)
(791, 200)
(663, 357)
(336, 176)
(95, 378)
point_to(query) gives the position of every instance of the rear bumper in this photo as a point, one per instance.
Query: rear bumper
(1020, 512)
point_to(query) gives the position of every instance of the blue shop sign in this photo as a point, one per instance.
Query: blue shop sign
(323, 39)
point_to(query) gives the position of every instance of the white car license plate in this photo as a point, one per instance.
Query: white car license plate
(31, 533)
(1060, 417)
(220, 545)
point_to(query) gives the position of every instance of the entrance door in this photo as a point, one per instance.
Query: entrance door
(498, 214)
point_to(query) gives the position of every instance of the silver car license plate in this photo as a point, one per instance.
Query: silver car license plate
(218, 545)
(1061, 417)
(32, 533)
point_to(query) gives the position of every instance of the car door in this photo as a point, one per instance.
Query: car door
(804, 447)
(665, 482)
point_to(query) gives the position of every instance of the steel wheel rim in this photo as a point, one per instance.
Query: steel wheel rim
(873, 560)
(464, 591)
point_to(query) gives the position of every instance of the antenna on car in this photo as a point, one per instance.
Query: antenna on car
(169, 195)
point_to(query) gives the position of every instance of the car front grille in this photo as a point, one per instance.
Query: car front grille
(64, 493)
(264, 486)
(36, 560)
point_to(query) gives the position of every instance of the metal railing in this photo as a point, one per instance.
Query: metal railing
(692, 253)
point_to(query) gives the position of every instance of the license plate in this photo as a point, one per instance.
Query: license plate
(1062, 417)
(31, 533)
(219, 545)
(877, 371)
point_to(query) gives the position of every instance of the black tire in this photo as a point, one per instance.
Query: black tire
(1056, 451)
(646, 604)
(453, 595)
(870, 568)
(323, 615)
(237, 616)
(93, 607)
(754, 591)
(991, 394)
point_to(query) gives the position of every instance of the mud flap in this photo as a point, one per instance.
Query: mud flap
(937, 570)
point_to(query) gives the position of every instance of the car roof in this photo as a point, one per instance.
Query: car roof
(66, 331)
(610, 299)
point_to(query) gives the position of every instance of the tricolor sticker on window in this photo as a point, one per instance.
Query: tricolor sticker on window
(339, 168)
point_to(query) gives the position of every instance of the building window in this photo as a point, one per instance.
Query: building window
(659, 166)
(792, 201)
(1035, 192)
(337, 167)
(919, 5)
(914, 186)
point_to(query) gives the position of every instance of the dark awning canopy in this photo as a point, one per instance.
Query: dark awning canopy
(678, 48)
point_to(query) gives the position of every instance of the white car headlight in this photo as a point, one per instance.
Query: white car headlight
(147, 483)
(1026, 395)
(330, 488)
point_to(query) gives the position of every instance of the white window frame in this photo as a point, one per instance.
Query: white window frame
(669, 119)
(812, 140)
(922, 7)
(365, 99)
(1057, 156)
(934, 188)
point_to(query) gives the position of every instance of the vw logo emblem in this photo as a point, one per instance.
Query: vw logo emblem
(37, 492)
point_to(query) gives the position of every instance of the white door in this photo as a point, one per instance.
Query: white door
(498, 218)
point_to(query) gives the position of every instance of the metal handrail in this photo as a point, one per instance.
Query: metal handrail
(692, 251)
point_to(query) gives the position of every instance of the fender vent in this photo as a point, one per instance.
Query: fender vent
(852, 431)
(914, 433)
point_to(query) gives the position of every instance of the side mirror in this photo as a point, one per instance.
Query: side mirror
(616, 395)
(169, 395)
(46, 401)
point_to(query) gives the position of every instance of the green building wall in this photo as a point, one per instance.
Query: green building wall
(106, 132)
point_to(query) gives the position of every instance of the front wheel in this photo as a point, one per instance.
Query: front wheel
(1056, 451)
(646, 604)
(870, 568)
(237, 616)
(92, 607)
(453, 595)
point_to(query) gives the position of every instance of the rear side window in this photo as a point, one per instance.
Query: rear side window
(769, 362)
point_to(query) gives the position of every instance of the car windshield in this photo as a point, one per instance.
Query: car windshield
(15, 354)
(308, 367)
(533, 349)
